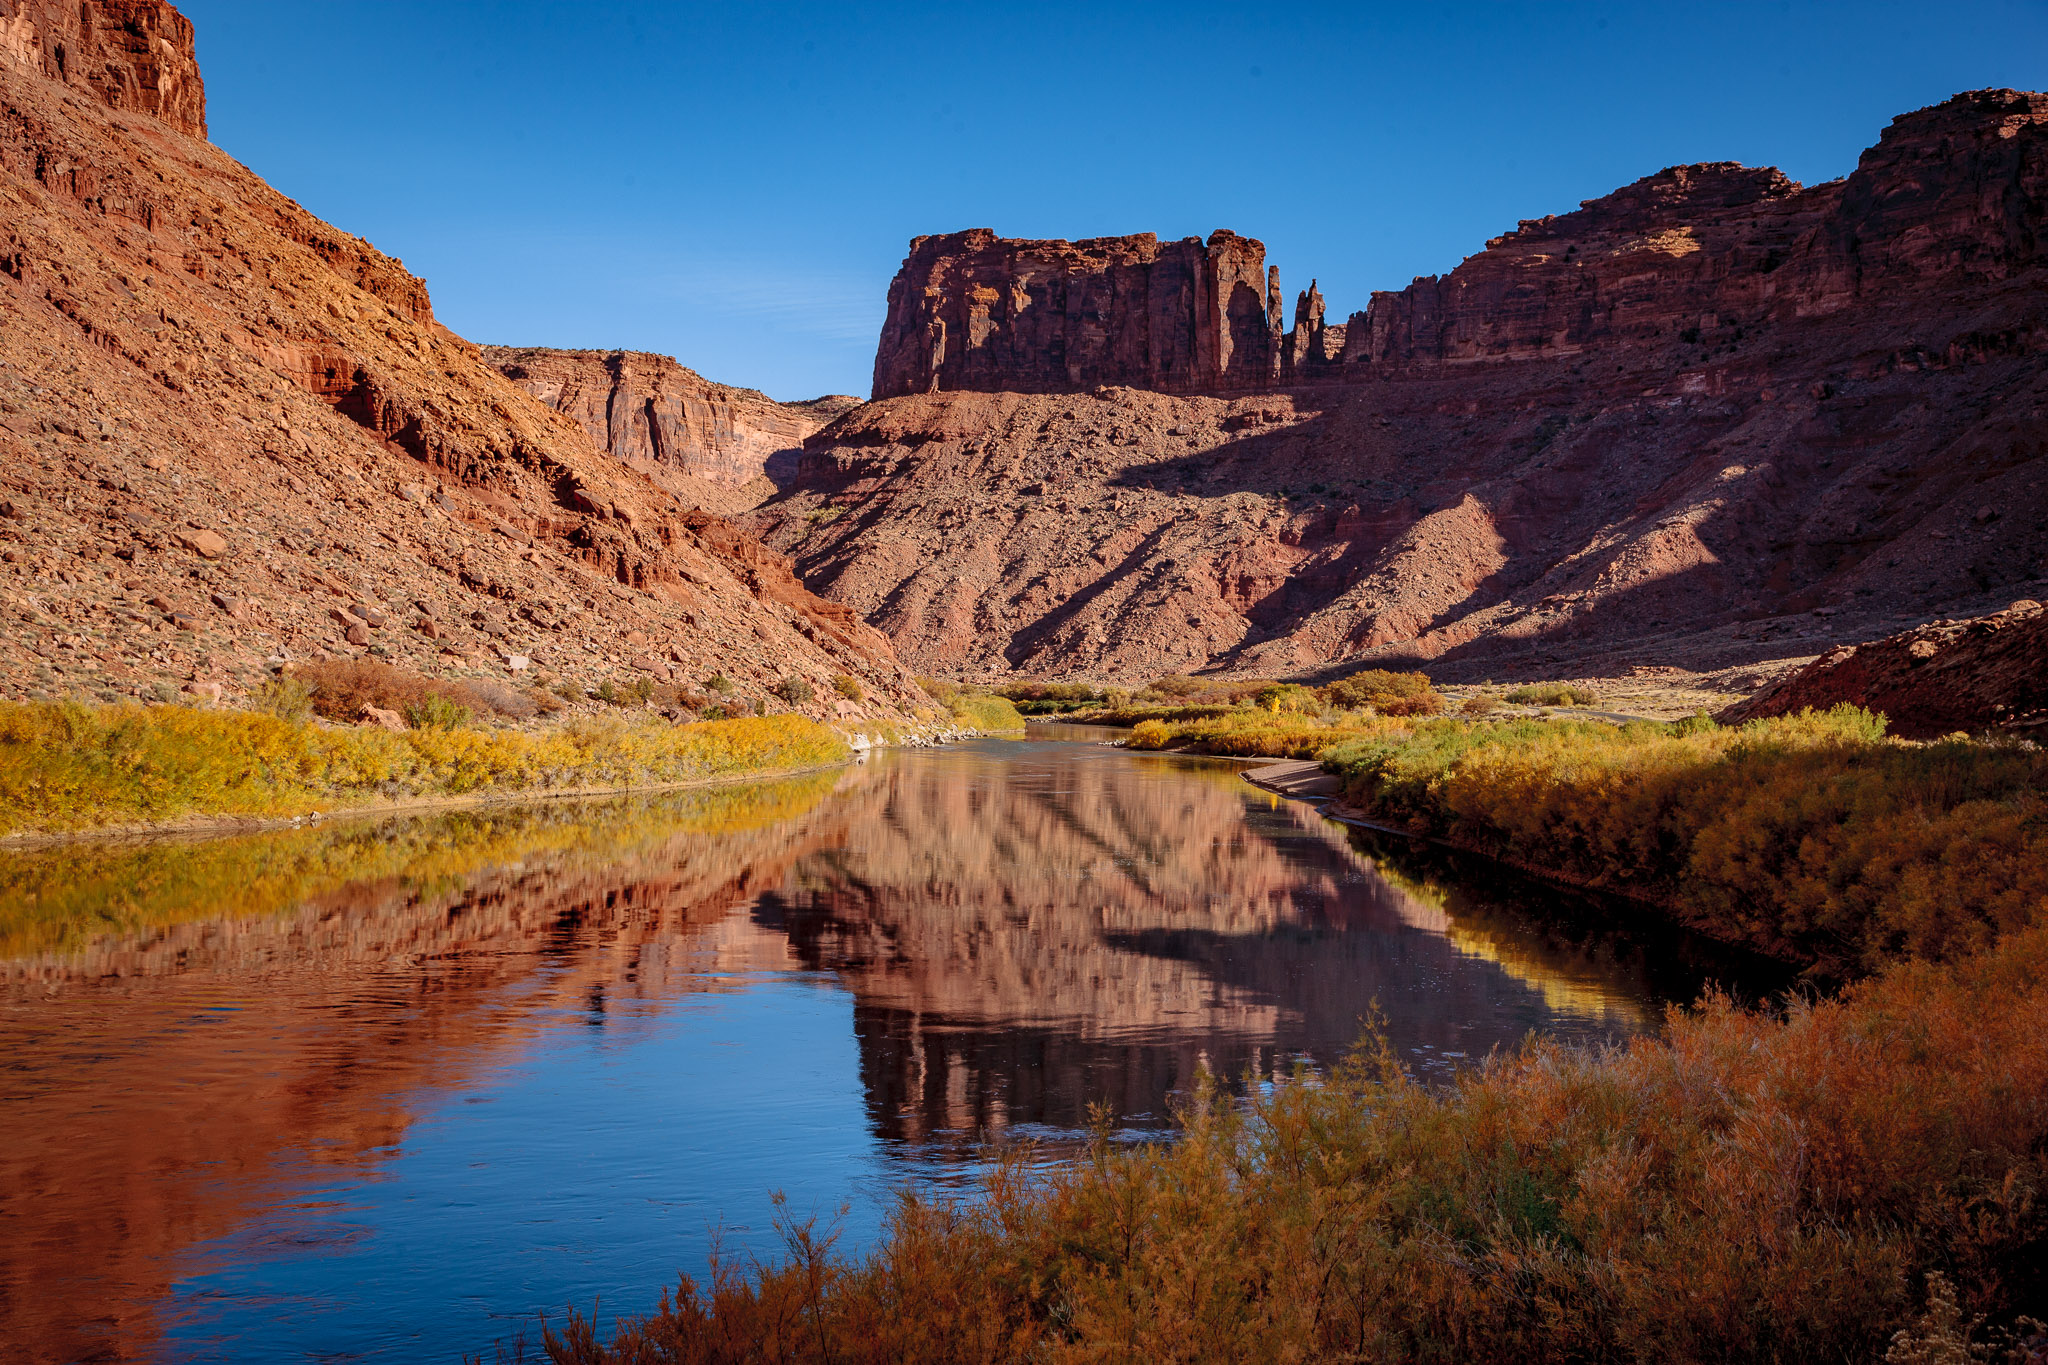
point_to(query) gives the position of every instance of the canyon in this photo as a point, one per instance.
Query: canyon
(233, 436)
(1714, 421)
(1711, 419)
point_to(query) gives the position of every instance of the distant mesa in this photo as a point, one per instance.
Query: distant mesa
(971, 310)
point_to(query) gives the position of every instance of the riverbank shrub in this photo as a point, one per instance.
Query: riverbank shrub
(65, 766)
(1389, 694)
(986, 712)
(1808, 837)
(1746, 1188)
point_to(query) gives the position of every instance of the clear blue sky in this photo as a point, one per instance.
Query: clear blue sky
(735, 184)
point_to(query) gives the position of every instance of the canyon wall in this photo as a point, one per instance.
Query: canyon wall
(232, 433)
(1950, 195)
(1712, 419)
(134, 55)
(973, 311)
(647, 408)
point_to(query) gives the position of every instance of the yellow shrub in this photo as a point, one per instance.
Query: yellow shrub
(65, 766)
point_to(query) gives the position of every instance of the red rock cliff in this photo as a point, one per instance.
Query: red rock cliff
(130, 54)
(639, 406)
(971, 310)
(1714, 251)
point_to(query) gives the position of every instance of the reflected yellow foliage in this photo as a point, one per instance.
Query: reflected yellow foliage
(58, 899)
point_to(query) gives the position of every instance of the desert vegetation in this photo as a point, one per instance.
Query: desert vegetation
(66, 766)
(1843, 1176)
(988, 712)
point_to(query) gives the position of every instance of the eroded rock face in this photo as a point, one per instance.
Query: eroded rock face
(647, 408)
(1989, 673)
(971, 310)
(220, 416)
(1711, 419)
(129, 54)
(1950, 195)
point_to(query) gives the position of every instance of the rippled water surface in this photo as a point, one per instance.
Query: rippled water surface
(389, 1090)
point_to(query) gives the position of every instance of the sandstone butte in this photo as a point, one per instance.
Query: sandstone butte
(231, 433)
(1713, 419)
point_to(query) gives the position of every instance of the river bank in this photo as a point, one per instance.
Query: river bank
(69, 769)
(1806, 1180)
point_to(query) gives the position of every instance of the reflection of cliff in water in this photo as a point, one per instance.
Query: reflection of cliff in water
(175, 1076)
(1085, 925)
(196, 1031)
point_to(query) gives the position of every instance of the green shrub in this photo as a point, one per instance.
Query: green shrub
(1553, 694)
(846, 686)
(283, 696)
(985, 712)
(796, 691)
(719, 684)
(436, 712)
(1390, 694)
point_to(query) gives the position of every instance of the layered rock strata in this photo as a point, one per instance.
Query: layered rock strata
(134, 55)
(678, 427)
(971, 310)
(232, 433)
(1710, 419)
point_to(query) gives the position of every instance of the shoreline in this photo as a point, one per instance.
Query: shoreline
(1303, 780)
(211, 826)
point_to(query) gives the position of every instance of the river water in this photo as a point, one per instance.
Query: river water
(389, 1090)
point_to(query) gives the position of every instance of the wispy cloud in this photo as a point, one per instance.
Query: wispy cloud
(828, 305)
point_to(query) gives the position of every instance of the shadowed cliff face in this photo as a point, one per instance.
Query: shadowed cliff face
(710, 444)
(1021, 930)
(1709, 419)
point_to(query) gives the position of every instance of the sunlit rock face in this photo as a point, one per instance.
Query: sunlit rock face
(1712, 418)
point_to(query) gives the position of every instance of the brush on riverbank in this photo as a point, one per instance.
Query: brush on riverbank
(68, 767)
(1751, 1186)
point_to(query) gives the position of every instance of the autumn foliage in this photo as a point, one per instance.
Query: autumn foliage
(1786, 1185)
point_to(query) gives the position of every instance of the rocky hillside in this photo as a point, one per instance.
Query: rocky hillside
(1712, 418)
(231, 433)
(1986, 674)
(710, 444)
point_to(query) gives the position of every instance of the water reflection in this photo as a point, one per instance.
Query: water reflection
(374, 1087)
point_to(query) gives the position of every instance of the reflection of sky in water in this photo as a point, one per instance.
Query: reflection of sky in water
(589, 1168)
(438, 1108)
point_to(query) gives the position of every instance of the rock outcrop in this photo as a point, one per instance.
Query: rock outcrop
(669, 420)
(1986, 674)
(134, 55)
(221, 417)
(971, 310)
(1711, 419)
(1950, 195)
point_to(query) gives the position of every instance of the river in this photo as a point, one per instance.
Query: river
(390, 1089)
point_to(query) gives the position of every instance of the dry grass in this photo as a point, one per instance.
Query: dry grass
(1751, 1187)
(1745, 1189)
(65, 766)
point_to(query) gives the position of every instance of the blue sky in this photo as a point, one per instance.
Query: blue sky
(735, 184)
